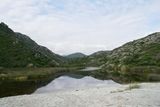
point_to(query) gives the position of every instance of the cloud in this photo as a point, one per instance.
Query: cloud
(67, 26)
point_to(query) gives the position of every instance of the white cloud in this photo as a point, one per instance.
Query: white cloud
(67, 26)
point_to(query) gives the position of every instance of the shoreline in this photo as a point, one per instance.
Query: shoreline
(115, 96)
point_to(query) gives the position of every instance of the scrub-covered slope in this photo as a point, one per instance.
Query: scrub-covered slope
(18, 50)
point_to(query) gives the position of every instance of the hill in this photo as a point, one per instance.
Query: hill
(137, 60)
(97, 58)
(18, 50)
(141, 52)
(76, 55)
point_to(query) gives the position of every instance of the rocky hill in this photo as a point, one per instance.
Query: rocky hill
(98, 58)
(138, 60)
(18, 50)
(141, 52)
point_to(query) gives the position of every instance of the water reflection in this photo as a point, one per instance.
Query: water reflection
(66, 82)
(90, 69)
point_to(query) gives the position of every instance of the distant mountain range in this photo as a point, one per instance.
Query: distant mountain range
(76, 55)
(18, 50)
(141, 52)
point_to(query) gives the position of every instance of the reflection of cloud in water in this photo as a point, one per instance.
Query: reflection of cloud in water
(66, 82)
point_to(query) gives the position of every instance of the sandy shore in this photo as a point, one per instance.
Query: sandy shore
(148, 95)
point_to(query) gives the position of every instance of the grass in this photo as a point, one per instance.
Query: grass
(133, 86)
(32, 73)
(19, 81)
(130, 87)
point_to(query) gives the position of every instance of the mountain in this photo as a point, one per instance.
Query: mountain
(138, 60)
(18, 50)
(141, 52)
(97, 58)
(76, 60)
(76, 55)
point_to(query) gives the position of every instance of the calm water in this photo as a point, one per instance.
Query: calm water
(66, 82)
(90, 69)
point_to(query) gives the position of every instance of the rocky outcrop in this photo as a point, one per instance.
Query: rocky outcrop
(138, 59)
(144, 51)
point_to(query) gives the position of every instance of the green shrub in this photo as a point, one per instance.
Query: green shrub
(133, 86)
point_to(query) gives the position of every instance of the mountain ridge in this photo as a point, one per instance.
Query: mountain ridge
(129, 49)
(76, 55)
(19, 50)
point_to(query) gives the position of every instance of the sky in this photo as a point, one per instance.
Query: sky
(87, 26)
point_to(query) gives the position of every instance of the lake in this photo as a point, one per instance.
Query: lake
(67, 82)
(60, 80)
(90, 69)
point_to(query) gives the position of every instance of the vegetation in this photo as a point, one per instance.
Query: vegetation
(133, 86)
(76, 62)
(25, 63)
(17, 81)
(98, 58)
(130, 87)
(134, 61)
(75, 55)
(142, 52)
(18, 50)
(95, 59)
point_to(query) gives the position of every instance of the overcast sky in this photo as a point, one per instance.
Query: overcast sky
(68, 26)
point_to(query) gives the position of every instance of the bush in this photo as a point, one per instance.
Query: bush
(21, 78)
(133, 86)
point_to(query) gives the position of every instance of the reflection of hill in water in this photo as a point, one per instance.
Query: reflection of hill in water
(66, 82)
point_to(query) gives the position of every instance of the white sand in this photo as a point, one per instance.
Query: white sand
(148, 95)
